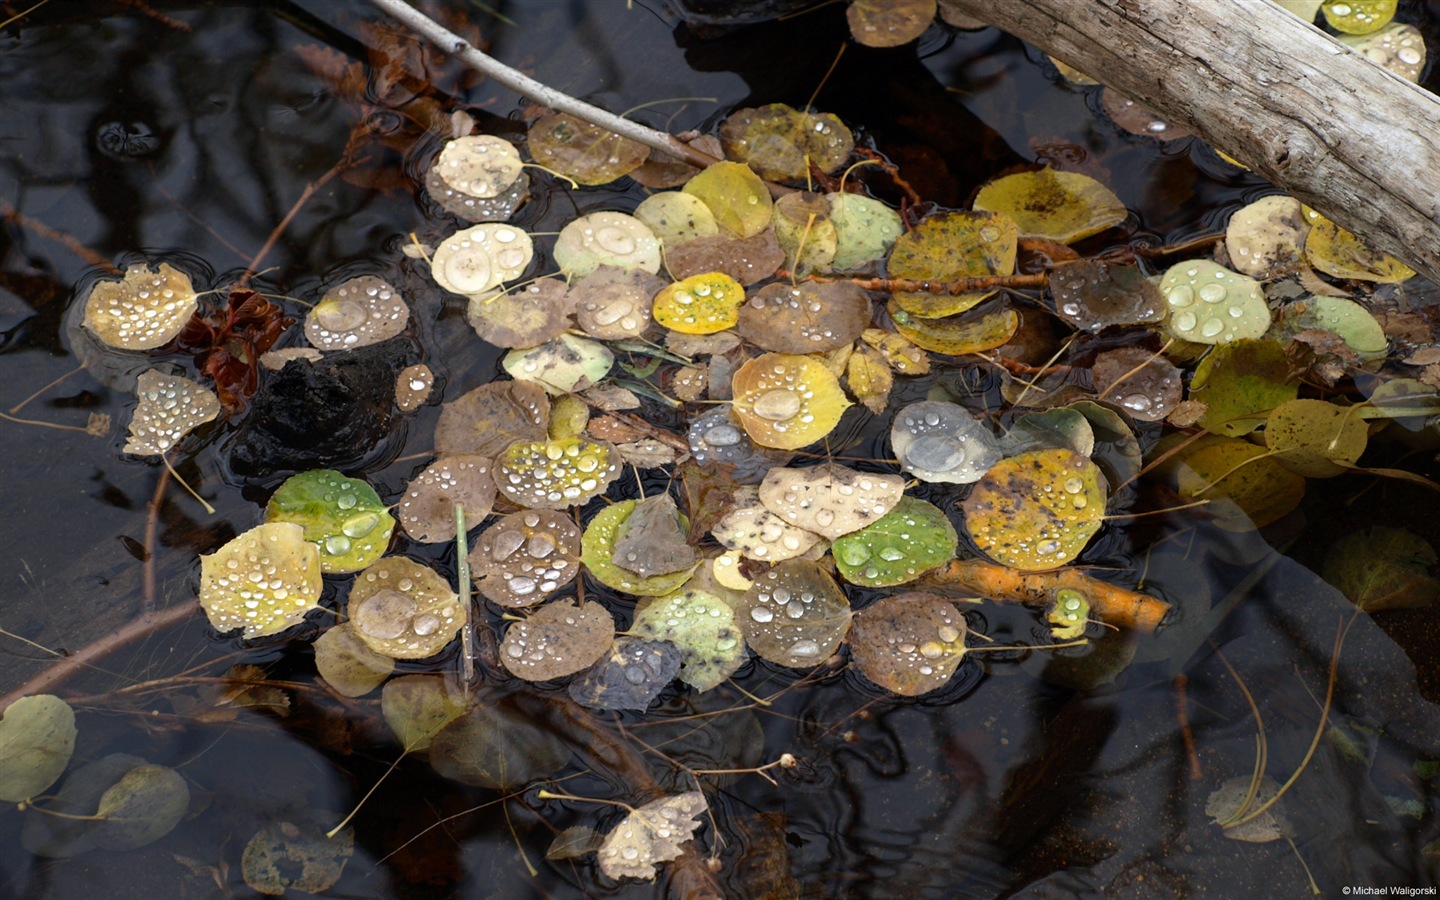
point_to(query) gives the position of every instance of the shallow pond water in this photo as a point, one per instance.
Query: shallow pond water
(187, 131)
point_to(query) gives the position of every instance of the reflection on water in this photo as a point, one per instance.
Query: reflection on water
(124, 137)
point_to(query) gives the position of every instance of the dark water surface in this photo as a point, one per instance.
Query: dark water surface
(133, 138)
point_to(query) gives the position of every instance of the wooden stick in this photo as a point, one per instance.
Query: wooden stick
(1108, 602)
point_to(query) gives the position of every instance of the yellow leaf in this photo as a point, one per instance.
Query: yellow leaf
(870, 378)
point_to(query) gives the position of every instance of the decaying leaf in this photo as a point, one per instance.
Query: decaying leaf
(1093, 294)
(794, 614)
(909, 644)
(1037, 510)
(651, 540)
(403, 609)
(416, 707)
(492, 417)
(889, 23)
(598, 554)
(809, 317)
(170, 407)
(585, 152)
(631, 677)
(949, 246)
(497, 744)
(428, 510)
(651, 834)
(943, 442)
(525, 557)
(702, 626)
(559, 639)
(1065, 206)
(1384, 568)
(522, 316)
(296, 854)
(780, 142)
(347, 664)
(830, 499)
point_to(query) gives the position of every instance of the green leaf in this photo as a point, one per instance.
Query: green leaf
(343, 517)
(865, 230)
(1384, 568)
(1240, 383)
(1209, 304)
(416, 707)
(900, 546)
(703, 627)
(37, 737)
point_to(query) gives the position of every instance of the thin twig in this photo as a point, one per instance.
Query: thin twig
(305, 195)
(521, 83)
(918, 286)
(152, 530)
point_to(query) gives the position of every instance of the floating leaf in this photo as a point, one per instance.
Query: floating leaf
(944, 442)
(598, 552)
(1383, 568)
(296, 854)
(496, 744)
(1397, 47)
(264, 580)
(350, 667)
(569, 415)
(555, 474)
(747, 260)
(702, 626)
(1209, 304)
(736, 196)
(614, 304)
(1315, 438)
(416, 707)
(947, 247)
(143, 806)
(1117, 449)
(675, 217)
(1037, 510)
(1237, 380)
(902, 545)
(1358, 16)
(973, 332)
(1063, 206)
(1068, 614)
(523, 316)
(606, 239)
(651, 834)
(585, 152)
(1093, 294)
(492, 417)
(700, 304)
(631, 677)
(477, 209)
(889, 23)
(428, 509)
(908, 644)
(1048, 429)
(809, 317)
(403, 609)
(37, 737)
(903, 356)
(1146, 386)
(804, 231)
(1247, 488)
(559, 639)
(144, 311)
(869, 378)
(480, 165)
(525, 557)
(476, 259)
(757, 533)
(1267, 238)
(830, 499)
(787, 401)
(358, 313)
(716, 437)
(1353, 322)
(865, 230)
(794, 614)
(1335, 251)
(562, 366)
(413, 386)
(780, 142)
(651, 540)
(343, 517)
(170, 407)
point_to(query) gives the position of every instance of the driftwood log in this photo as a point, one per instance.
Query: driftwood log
(1317, 119)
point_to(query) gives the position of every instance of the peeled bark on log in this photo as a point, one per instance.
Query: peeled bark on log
(1317, 119)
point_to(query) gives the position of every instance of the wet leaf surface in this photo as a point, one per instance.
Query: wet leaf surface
(794, 615)
(146, 309)
(559, 639)
(263, 581)
(606, 239)
(525, 557)
(403, 609)
(1065, 206)
(144, 805)
(1209, 304)
(805, 318)
(630, 677)
(523, 316)
(357, 313)
(651, 540)
(37, 737)
(1095, 295)
(737, 198)
(779, 142)
(830, 500)
(1314, 438)
(490, 418)
(587, 153)
(899, 547)
(347, 664)
(1037, 510)
(948, 247)
(170, 408)
(296, 854)
(700, 304)
(702, 627)
(555, 474)
(909, 644)
(428, 510)
(1238, 381)
(787, 401)
(343, 517)
(598, 554)
(942, 442)
(651, 834)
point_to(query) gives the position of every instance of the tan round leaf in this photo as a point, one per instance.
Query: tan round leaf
(358, 313)
(809, 317)
(909, 644)
(830, 499)
(143, 311)
(403, 609)
(794, 614)
(525, 557)
(428, 510)
(492, 417)
(263, 581)
(559, 639)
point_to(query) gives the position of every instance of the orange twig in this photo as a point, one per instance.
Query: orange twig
(959, 286)
(1182, 715)
(1110, 603)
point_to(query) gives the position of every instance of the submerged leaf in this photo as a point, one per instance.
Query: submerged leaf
(37, 737)
(702, 626)
(899, 547)
(942, 442)
(350, 667)
(416, 707)
(1063, 206)
(1224, 803)
(403, 609)
(143, 806)
(1145, 385)
(651, 834)
(144, 311)
(1240, 383)
(170, 407)
(74, 830)
(343, 517)
(909, 644)
(1037, 510)
(1315, 438)
(498, 745)
(889, 23)
(805, 232)
(1247, 488)
(263, 581)
(296, 854)
(525, 557)
(1384, 568)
